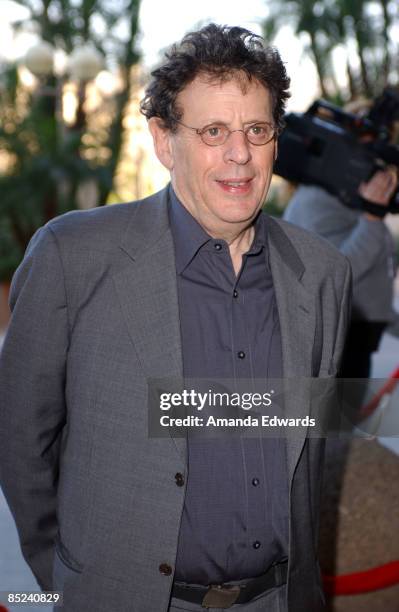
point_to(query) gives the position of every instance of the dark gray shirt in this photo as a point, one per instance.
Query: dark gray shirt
(235, 516)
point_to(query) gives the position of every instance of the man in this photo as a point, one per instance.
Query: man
(192, 281)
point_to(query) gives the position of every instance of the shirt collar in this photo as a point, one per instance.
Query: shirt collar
(189, 236)
(260, 238)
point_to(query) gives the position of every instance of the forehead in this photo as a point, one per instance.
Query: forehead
(223, 99)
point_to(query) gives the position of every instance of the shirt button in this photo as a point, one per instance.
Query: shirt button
(179, 478)
(165, 569)
(255, 482)
(241, 355)
(218, 247)
(235, 293)
(256, 544)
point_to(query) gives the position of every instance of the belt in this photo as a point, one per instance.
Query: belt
(226, 594)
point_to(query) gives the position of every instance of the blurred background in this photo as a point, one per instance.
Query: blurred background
(72, 73)
(71, 137)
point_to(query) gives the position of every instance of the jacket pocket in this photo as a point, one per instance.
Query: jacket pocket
(65, 573)
(66, 558)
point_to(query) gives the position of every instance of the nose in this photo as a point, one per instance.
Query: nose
(237, 148)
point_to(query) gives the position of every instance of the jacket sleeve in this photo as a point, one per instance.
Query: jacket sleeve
(32, 404)
(316, 210)
(363, 246)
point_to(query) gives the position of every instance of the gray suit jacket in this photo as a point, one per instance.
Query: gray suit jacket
(95, 313)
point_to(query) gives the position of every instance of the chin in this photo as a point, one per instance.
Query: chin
(239, 212)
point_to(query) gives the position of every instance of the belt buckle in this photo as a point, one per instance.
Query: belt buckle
(221, 596)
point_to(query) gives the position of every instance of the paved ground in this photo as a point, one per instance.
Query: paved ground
(359, 518)
(359, 525)
(15, 574)
(385, 361)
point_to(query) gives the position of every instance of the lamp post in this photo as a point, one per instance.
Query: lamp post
(83, 66)
(64, 137)
(84, 63)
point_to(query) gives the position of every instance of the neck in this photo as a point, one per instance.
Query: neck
(239, 236)
(241, 243)
(239, 240)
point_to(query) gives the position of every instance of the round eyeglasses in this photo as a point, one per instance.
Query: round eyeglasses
(216, 134)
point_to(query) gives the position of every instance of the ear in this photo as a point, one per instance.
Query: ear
(162, 145)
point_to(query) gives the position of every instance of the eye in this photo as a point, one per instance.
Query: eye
(258, 129)
(213, 131)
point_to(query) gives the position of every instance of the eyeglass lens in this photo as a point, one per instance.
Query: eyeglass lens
(257, 134)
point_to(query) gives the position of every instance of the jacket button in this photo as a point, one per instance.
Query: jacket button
(165, 569)
(179, 479)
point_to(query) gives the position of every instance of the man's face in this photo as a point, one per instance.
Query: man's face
(222, 186)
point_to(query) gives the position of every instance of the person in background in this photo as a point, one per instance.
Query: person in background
(366, 241)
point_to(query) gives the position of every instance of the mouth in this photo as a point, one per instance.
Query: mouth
(235, 186)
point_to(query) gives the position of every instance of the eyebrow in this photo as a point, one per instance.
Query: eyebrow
(250, 122)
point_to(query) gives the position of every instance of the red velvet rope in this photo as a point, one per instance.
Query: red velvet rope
(369, 580)
(386, 388)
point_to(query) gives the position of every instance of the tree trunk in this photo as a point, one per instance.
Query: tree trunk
(387, 24)
(363, 70)
(351, 81)
(319, 64)
(116, 132)
(360, 49)
(4, 308)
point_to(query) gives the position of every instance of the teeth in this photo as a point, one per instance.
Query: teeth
(235, 184)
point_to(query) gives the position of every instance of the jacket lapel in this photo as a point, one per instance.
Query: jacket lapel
(147, 290)
(296, 308)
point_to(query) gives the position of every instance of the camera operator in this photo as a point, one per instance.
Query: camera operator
(367, 242)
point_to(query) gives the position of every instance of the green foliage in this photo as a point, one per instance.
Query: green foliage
(10, 253)
(43, 161)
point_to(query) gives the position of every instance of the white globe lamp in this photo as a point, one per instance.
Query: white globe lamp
(85, 63)
(39, 59)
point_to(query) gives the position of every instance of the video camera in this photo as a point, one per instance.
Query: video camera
(337, 150)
